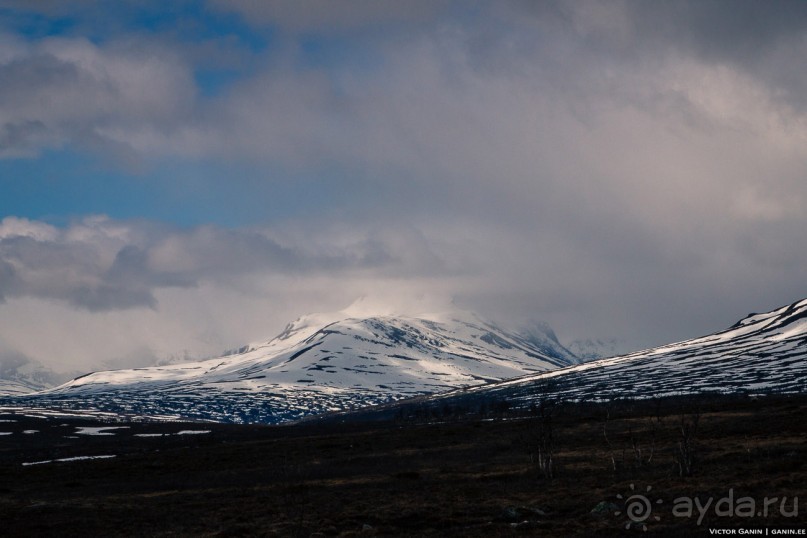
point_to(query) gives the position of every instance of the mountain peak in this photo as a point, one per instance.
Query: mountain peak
(332, 361)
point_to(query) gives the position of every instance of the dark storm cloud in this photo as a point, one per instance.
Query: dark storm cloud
(736, 30)
(766, 39)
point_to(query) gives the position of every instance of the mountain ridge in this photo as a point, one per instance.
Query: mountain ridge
(324, 362)
(761, 353)
(317, 365)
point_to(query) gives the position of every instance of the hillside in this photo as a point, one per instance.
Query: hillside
(322, 363)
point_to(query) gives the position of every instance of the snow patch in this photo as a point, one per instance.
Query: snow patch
(67, 460)
(87, 430)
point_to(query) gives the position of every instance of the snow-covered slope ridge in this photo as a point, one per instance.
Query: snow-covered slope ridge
(321, 363)
(14, 387)
(761, 353)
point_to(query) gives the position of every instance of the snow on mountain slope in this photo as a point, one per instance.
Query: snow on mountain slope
(20, 375)
(759, 354)
(14, 387)
(595, 348)
(321, 363)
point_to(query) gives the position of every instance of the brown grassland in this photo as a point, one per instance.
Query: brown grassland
(449, 477)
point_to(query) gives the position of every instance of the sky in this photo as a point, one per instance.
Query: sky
(181, 178)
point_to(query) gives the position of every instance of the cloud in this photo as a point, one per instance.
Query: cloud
(322, 15)
(747, 30)
(98, 264)
(621, 169)
(69, 91)
(132, 292)
(45, 7)
(759, 40)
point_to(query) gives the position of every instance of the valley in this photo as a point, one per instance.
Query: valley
(458, 429)
(437, 477)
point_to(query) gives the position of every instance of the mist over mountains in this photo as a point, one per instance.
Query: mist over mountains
(323, 363)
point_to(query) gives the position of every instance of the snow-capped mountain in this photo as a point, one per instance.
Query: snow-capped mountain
(14, 387)
(763, 353)
(21, 376)
(321, 363)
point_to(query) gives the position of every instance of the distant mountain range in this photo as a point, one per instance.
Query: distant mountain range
(14, 387)
(19, 375)
(761, 354)
(323, 363)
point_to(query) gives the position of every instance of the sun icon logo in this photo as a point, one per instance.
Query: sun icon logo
(638, 508)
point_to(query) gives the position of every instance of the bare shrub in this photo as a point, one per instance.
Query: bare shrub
(540, 438)
(688, 432)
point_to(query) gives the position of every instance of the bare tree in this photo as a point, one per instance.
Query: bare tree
(655, 425)
(688, 432)
(605, 422)
(540, 439)
(644, 456)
